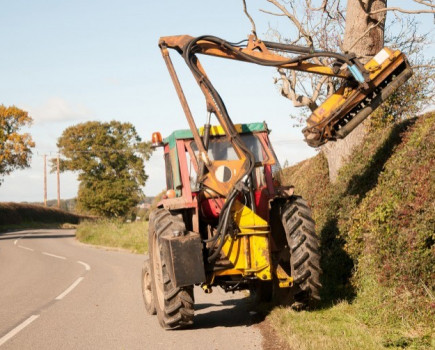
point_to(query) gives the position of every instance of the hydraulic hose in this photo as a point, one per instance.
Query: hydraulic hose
(189, 57)
(222, 234)
(225, 208)
(308, 52)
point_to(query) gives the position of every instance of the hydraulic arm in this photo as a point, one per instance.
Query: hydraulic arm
(363, 89)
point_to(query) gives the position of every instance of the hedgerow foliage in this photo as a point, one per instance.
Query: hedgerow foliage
(377, 222)
(23, 213)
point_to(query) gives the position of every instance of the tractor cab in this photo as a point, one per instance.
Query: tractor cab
(183, 163)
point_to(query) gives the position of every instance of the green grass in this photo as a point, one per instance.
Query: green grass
(376, 225)
(373, 320)
(335, 328)
(115, 234)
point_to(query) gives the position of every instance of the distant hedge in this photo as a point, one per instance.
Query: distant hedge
(19, 213)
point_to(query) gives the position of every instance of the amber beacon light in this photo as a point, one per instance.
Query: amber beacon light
(156, 140)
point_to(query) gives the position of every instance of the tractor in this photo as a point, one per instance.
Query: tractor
(226, 220)
(265, 240)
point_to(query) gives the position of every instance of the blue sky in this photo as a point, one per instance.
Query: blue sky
(71, 61)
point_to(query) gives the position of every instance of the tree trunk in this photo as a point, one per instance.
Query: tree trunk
(358, 22)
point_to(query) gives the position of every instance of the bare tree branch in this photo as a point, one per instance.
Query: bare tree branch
(398, 9)
(319, 87)
(272, 13)
(295, 21)
(254, 30)
(425, 3)
(322, 7)
(288, 91)
(423, 66)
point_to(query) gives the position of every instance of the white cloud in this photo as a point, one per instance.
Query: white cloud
(56, 109)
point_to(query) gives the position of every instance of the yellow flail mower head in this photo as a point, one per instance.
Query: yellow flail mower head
(353, 102)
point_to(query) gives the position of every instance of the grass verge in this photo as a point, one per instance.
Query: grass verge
(373, 320)
(114, 234)
(335, 328)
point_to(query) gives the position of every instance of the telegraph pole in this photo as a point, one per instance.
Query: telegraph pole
(58, 183)
(45, 180)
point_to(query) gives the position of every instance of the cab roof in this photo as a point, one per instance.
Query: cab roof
(215, 130)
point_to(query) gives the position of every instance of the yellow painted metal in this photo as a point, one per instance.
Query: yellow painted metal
(206, 288)
(228, 272)
(284, 279)
(378, 73)
(218, 130)
(249, 250)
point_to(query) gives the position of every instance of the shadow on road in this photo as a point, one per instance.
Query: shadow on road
(228, 313)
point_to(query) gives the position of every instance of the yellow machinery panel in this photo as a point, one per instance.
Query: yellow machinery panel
(249, 250)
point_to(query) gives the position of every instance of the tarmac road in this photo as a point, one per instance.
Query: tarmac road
(57, 293)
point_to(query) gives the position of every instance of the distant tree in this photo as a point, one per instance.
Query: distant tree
(15, 148)
(110, 160)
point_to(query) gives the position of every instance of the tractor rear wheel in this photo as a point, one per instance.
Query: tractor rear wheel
(174, 305)
(303, 244)
(147, 292)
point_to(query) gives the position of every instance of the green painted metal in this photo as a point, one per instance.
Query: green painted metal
(187, 134)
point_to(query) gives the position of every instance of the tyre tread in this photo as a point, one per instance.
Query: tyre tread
(178, 311)
(304, 251)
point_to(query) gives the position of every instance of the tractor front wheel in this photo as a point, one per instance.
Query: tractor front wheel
(147, 292)
(174, 305)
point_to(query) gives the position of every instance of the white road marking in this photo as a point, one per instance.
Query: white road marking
(87, 267)
(23, 247)
(70, 288)
(17, 329)
(15, 242)
(54, 256)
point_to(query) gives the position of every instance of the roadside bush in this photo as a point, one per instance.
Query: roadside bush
(19, 213)
(377, 230)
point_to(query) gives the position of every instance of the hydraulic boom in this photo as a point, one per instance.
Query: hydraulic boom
(363, 89)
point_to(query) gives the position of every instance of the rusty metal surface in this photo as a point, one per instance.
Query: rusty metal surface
(182, 98)
(177, 203)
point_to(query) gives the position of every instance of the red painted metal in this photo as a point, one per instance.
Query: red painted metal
(262, 198)
(184, 171)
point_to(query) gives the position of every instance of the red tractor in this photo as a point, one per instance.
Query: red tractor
(259, 238)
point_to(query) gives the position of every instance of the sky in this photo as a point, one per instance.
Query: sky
(71, 61)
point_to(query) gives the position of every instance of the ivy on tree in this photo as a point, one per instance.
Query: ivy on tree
(110, 160)
(15, 147)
